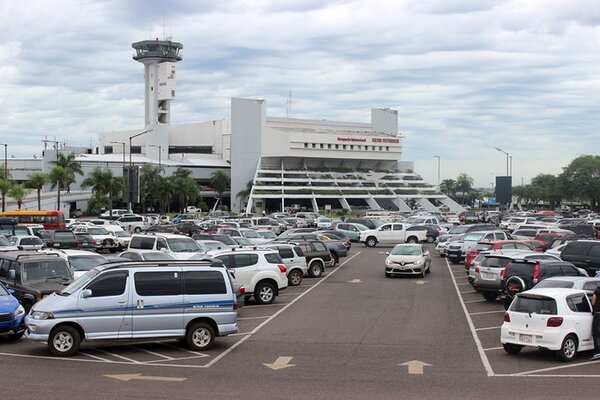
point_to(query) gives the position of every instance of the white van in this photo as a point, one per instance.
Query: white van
(194, 301)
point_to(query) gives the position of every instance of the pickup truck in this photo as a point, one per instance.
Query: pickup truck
(391, 233)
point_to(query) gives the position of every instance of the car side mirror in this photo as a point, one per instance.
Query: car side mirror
(11, 275)
(11, 291)
(426, 253)
(387, 253)
(86, 293)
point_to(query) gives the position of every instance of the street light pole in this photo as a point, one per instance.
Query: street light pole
(438, 162)
(5, 172)
(130, 203)
(159, 152)
(507, 156)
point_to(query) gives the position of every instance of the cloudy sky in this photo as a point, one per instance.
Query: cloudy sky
(465, 76)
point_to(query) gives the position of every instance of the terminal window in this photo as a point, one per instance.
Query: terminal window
(314, 145)
(337, 146)
(351, 147)
(108, 149)
(329, 146)
(305, 145)
(321, 145)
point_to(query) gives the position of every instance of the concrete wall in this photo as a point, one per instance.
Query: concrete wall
(248, 121)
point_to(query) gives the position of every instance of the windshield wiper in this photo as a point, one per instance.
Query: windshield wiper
(54, 278)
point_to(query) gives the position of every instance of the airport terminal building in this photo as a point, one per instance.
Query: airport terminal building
(289, 162)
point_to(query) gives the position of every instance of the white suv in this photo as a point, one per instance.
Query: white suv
(179, 247)
(261, 272)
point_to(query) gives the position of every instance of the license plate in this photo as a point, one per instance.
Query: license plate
(525, 338)
(85, 243)
(488, 275)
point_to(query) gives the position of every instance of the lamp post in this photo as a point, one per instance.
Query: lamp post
(438, 162)
(507, 156)
(159, 152)
(130, 203)
(123, 144)
(5, 177)
(122, 172)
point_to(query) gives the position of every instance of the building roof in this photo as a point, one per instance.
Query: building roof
(141, 159)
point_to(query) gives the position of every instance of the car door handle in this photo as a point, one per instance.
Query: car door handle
(122, 301)
(140, 304)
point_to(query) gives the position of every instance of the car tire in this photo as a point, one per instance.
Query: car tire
(388, 275)
(200, 336)
(137, 229)
(27, 306)
(490, 296)
(265, 293)
(64, 341)
(316, 269)
(371, 242)
(430, 239)
(295, 277)
(568, 349)
(335, 260)
(412, 240)
(511, 348)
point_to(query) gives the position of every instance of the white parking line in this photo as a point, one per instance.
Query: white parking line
(236, 344)
(463, 284)
(153, 353)
(289, 294)
(94, 357)
(494, 348)
(488, 328)
(240, 334)
(119, 356)
(537, 371)
(473, 301)
(468, 291)
(485, 312)
(482, 355)
(249, 318)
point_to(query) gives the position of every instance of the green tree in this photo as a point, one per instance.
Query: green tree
(581, 179)
(58, 176)
(150, 182)
(551, 186)
(63, 173)
(18, 193)
(5, 186)
(164, 194)
(220, 182)
(448, 187)
(464, 184)
(36, 181)
(104, 186)
(244, 193)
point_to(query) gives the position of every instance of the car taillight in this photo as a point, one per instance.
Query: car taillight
(536, 273)
(235, 305)
(554, 322)
(503, 273)
(506, 317)
(476, 270)
(93, 241)
(242, 290)
(282, 268)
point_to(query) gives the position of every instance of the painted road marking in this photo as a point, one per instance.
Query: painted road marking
(488, 328)
(416, 367)
(140, 377)
(280, 363)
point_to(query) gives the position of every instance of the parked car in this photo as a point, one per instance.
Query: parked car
(460, 230)
(555, 319)
(317, 256)
(135, 255)
(60, 238)
(86, 241)
(250, 234)
(266, 277)
(27, 242)
(12, 315)
(80, 261)
(493, 245)
(583, 231)
(521, 275)
(337, 248)
(583, 254)
(457, 251)
(225, 239)
(391, 233)
(177, 246)
(323, 223)
(104, 239)
(294, 260)
(33, 275)
(132, 287)
(408, 259)
(269, 235)
(132, 223)
(586, 283)
(431, 233)
(350, 230)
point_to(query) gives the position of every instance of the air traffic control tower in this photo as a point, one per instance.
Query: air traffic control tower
(159, 58)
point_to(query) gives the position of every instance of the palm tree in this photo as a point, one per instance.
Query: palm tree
(5, 186)
(150, 184)
(164, 193)
(36, 181)
(70, 164)
(104, 186)
(448, 186)
(464, 184)
(18, 192)
(220, 182)
(58, 176)
(244, 193)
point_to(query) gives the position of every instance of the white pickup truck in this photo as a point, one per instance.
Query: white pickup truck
(392, 233)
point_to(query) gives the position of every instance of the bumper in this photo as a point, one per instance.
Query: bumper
(455, 254)
(228, 329)
(404, 270)
(548, 339)
(39, 329)
(12, 327)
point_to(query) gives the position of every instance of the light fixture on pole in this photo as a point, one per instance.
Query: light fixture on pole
(159, 152)
(507, 156)
(122, 144)
(129, 180)
(438, 162)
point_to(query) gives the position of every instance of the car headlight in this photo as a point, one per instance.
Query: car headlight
(42, 315)
(20, 311)
(419, 262)
(388, 261)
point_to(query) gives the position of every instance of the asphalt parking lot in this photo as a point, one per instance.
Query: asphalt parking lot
(485, 319)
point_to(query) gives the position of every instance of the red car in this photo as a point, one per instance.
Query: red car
(496, 245)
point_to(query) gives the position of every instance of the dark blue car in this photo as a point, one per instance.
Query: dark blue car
(12, 315)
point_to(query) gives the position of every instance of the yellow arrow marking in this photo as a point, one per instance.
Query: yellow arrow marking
(280, 363)
(416, 367)
(421, 282)
(140, 377)
(355, 281)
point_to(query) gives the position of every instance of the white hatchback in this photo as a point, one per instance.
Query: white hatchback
(554, 319)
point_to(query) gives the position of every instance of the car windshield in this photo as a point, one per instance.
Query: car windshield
(268, 234)
(242, 241)
(85, 263)
(550, 283)
(458, 229)
(183, 245)
(156, 256)
(251, 235)
(3, 291)
(45, 270)
(4, 241)
(97, 231)
(406, 251)
(473, 237)
(79, 282)
(482, 247)
(377, 223)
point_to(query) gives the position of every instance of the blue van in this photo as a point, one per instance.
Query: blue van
(190, 300)
(12, 315)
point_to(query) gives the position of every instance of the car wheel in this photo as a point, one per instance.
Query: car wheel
(200, 336)
(412, 239)
(388, 275)
(430, 239)
(371, 242)
(295, 277)
(316, 269)
(137, 229)
(64, 341)
(568, 349)
(264, 293)
(512, 348)
(515, 285)
(335, 260)
(490, 296)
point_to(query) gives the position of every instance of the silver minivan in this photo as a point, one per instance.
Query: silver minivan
(193, 301)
